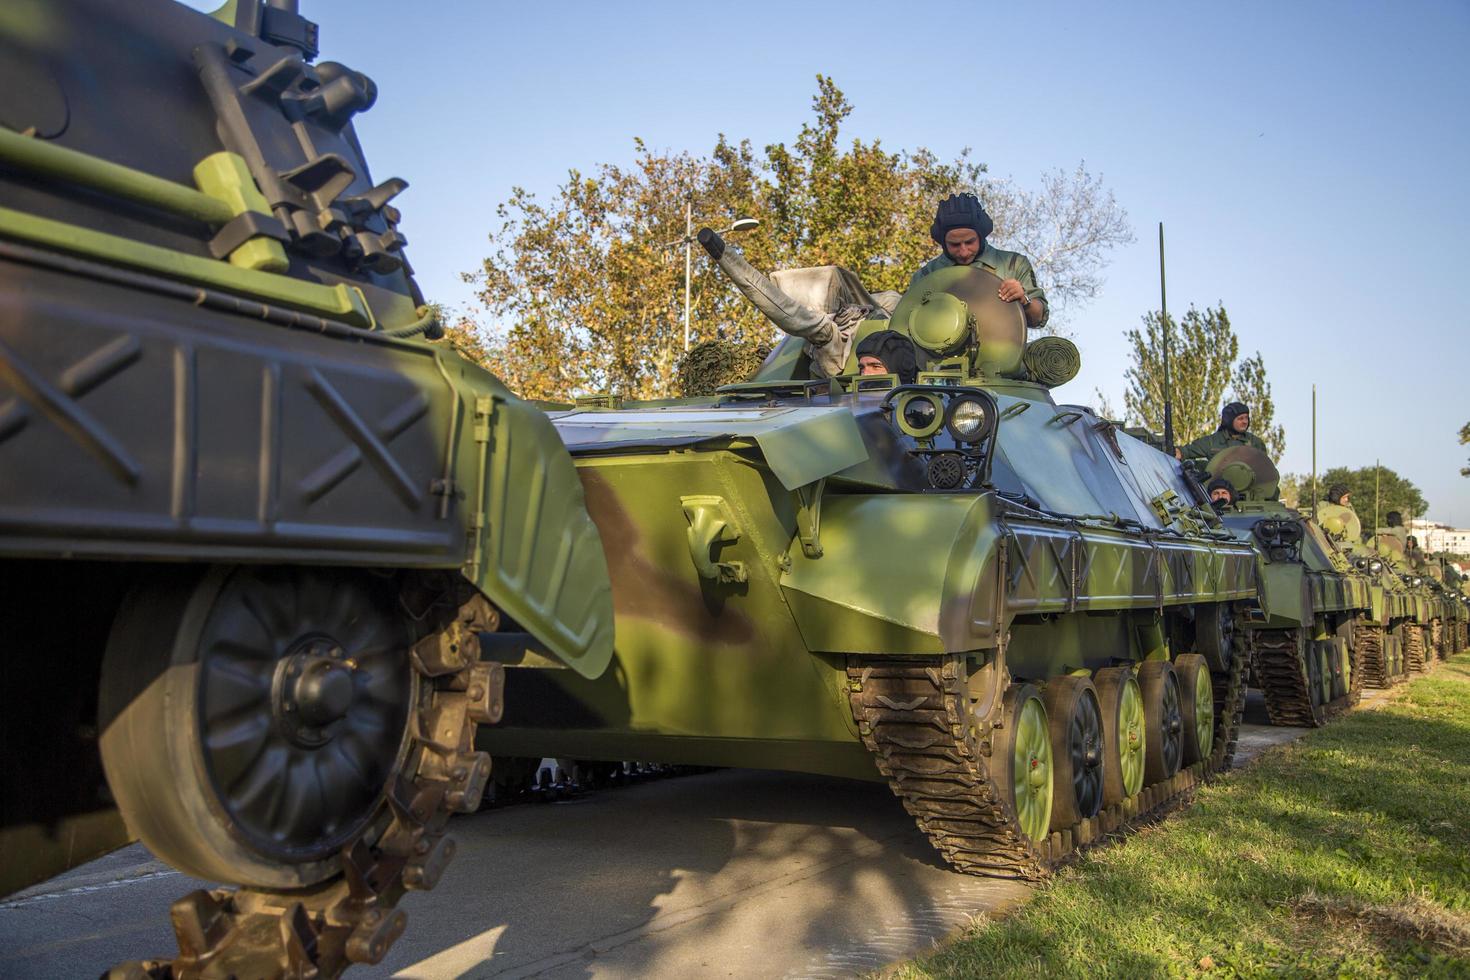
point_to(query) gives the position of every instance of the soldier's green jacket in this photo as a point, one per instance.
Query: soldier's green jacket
(1004, 265)
(1205, 447)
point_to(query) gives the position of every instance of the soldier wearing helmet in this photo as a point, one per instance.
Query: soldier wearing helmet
(961, 228)
(1234, 430)
(1339, 505)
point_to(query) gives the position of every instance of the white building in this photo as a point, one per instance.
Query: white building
(1441, 537)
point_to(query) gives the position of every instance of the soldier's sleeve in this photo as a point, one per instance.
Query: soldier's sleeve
(1199, 449)
(1026, 276)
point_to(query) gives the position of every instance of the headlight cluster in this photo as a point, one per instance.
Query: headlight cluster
(968, 418)
(1284, 532)
(1366, 564)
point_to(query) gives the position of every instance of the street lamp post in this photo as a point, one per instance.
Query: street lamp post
(688, 262)
(740, 224)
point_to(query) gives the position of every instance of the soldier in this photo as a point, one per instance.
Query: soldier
(888, 352)
(1235, 421)
(1222, 494)
(1339, 505)
(961, 227)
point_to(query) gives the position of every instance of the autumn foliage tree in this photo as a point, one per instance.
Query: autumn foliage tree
(581, 292)
(1204, 373)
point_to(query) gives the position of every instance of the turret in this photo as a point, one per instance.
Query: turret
(1248, 470)
(955, 318)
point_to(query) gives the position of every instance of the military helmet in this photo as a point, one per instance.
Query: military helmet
(960, 211)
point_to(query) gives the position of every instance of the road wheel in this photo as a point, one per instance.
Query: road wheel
(1023, 759)
(1165, 744)
(254, 718)
(1124, 733)
(1323, 651)
(1075, 720)
(1197, 706)
(1214, 633)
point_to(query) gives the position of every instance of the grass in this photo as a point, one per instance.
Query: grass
(1346, 853)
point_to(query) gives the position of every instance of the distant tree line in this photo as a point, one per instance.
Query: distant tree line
(1368, 484)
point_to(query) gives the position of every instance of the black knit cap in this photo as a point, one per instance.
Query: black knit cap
(1230, 412)
(1220, 483)
(895, 351)
(960, 211)
(1337, 491)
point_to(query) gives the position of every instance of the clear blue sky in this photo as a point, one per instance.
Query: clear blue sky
(1311, 161)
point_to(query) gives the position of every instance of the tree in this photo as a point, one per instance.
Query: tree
(1202, 367)
(1202, 350)
(1249, 385)
(578, 296)
(1394, 492)
(1464, 438)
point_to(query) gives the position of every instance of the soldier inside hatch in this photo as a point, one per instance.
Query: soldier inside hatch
(1339, 505)
(1222, 494)
(961, 228)
(1234, 430)
(888, 352)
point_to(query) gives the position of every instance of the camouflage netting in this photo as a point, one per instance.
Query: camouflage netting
(1051, 361)
(712, 363)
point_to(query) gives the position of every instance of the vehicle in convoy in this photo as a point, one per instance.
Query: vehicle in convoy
(1317, 630)
(1018, 616)
(1419, 599)
(250, 522)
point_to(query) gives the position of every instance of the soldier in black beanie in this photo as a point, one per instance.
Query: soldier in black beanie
(1234, 430)
(961, 228)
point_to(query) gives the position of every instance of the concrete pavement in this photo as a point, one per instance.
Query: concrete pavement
(728, 874)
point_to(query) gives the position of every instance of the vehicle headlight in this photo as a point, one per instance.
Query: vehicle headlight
(969, 420)
(1376, 567)
(920, 414)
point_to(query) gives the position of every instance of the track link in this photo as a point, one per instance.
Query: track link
(1282, 674)
(1369, 643)
(1414, 653)
(914, 717)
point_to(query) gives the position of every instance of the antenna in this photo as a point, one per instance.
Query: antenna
(1377, 469)
(1164, 332)
(1314, 452)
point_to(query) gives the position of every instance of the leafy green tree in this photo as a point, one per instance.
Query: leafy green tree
(1464, 438)
(579, 296)
(1202, 351)
(1202, 368)
(1394, 492)
(1249, 385)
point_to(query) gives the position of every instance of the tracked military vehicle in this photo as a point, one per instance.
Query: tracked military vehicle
(1310, 622)
(1419, 599)
(1019, 617)
(250, 521)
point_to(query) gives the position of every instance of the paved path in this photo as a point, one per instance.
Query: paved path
(727, 874)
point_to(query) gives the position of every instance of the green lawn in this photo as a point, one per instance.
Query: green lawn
(1344, 854)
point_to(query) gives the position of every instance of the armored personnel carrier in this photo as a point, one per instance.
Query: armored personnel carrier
(250, 522)
(1419, 598)
(1019, 617)
(1309, 621)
